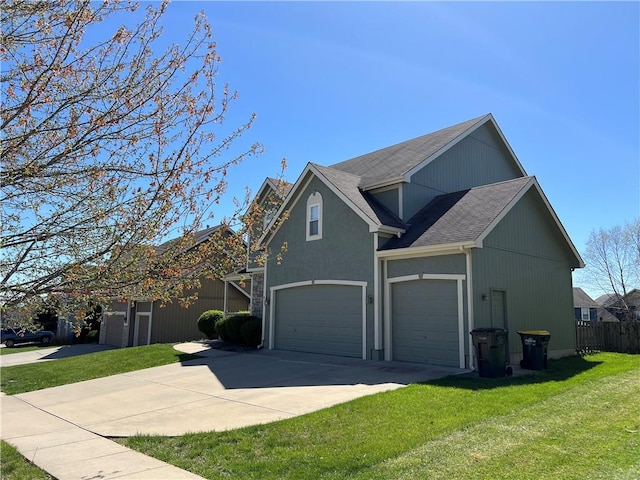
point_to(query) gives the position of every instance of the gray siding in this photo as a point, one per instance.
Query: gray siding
(527, 257)
(450, 264)
(479, 159)
(345, 251)
(389, 198)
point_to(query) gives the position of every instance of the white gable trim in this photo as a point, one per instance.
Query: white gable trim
(533, 182)
(487, 119)
(299, 187)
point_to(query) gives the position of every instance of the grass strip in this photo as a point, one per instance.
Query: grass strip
(15, 467)
(355, 437)
(36, 376)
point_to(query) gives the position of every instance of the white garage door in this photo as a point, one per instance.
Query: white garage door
(425, 322)
(319, 319)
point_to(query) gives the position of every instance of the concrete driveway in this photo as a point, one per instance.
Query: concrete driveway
(222, 391)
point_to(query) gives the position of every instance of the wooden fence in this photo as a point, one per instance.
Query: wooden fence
(623, 337)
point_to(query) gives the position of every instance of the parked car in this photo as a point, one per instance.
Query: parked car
(10, 336)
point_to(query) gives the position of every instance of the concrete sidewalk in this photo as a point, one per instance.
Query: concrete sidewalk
(46, 354)
(69, 452)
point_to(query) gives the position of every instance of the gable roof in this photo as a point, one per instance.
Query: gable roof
(462, 217)
(582, 299)
(398, 162)
(198, 237)
(465, 218)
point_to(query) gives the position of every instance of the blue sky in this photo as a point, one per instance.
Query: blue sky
(330, 81)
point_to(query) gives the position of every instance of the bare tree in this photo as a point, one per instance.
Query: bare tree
(613, 262)
(111, 143)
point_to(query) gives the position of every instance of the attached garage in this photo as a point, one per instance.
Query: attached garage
(426, 320)
(319, 317)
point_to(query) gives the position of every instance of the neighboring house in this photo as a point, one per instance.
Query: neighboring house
(626, 307)
(142, 322)
(584, 307)
(264, 208)
(398, 254)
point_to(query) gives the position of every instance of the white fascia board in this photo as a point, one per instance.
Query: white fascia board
(558, 223)
(391, 182)
(392, 230)
(240, 289)
(533, 182)
(413, 252)
(504, 211)
(373, 224)
(487, 119)
(298, 188)
(294, 194)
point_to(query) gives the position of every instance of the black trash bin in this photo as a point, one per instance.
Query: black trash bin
(535, 344)
(491, 347)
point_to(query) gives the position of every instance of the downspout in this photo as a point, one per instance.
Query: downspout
(226, 293)
(264, 304)
(377, 337)
(467, 254)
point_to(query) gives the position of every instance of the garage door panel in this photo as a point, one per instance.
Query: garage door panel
(319, 319)
(425, 321)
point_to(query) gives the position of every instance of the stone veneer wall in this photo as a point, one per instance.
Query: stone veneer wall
(257, 294)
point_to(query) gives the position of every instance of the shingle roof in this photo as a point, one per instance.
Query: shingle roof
(347, 184)
(198, 237)
(397, 160)
(582, 299)
(459, 217)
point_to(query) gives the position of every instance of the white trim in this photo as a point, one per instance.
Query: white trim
(461, 334)
(314, 200)
(470, 313)
(299, 187)
(533, 182)
(224, 298)
(264, 302)
(349, 283)
(433, 250)
(293, 196)
(240, 289)
(377, 332)
(401, 201)
(458, 278)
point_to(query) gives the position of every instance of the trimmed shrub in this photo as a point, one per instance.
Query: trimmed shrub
(232, 327)
(207, 323)
(251, 331)
(221, 329)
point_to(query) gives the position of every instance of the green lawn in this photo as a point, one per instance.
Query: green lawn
(36, 376)
(15, 467)
(578, 420)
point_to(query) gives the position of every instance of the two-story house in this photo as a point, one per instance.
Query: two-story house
(398, 254)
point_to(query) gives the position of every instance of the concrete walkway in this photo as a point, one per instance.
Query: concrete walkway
(61, 429)
(47, 354)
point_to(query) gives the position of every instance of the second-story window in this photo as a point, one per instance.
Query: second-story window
(314, 217)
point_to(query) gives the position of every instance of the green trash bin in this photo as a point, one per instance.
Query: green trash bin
(535, 345)
(490, 345)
